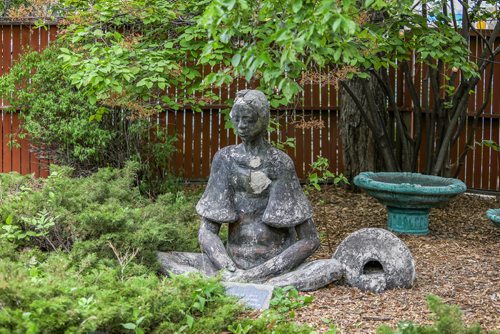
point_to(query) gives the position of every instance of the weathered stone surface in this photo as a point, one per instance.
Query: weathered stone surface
(256, 296)
(310, 276)
(183, 262)
(375, 259)
(253, 188)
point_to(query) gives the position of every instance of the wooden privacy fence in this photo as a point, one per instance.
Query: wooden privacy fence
(200, 135)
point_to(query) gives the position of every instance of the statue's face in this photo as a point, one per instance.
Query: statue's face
(247, 122)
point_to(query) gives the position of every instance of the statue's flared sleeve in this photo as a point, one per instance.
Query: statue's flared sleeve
(216, 204)
(287, 206)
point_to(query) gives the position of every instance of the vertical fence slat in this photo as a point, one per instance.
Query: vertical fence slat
(316, 138)
(476, 182)
(290, 133)
(197, 141)
(495, 159)
(486, 163)
(16, 150)
(205, 161)
(316, 141)
(214, 132)
(188, 144)
(7, 153)
(179, 134)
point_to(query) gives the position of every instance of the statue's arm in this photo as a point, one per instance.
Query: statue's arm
(211, 244)
(288, 259)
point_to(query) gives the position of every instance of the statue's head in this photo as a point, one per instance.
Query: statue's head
(250, 114)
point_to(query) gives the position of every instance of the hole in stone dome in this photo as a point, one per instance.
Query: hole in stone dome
(372, 268)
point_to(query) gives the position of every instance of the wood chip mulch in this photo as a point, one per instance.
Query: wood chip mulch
(459, 261)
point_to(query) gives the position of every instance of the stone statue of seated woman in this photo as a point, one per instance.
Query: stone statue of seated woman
(254, 189)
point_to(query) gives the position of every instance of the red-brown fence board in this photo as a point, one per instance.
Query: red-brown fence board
(7, 152)
(495, 160)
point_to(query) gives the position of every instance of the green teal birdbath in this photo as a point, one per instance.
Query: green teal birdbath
(494, 216)
(409, 197)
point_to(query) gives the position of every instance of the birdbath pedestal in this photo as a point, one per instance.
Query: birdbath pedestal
(409, 197)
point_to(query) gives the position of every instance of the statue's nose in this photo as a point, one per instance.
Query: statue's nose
(242, 125)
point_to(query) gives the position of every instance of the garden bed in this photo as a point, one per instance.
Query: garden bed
(458, 261)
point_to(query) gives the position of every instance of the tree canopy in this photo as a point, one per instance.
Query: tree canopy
(143, 47)
(150, 55)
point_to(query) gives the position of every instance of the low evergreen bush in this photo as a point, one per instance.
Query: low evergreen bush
(50, 293)
(86, 215)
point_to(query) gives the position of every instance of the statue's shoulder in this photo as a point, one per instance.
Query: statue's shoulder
(280, 159)
(225, 153)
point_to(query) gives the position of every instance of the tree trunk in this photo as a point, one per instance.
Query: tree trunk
(359, 150)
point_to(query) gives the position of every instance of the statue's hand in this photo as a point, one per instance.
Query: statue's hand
(230, 267)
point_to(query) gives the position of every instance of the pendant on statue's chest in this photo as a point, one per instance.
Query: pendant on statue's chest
(259, 182)
(254, 162)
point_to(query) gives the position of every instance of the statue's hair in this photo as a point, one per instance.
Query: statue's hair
(255, 99)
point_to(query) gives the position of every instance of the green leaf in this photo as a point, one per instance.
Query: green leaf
(129, 325)
(336, 24)
(98, 33)
(337, 54)
(308, 299)
(296, 5)
(189, 321)
(229, 4)
(368, 3)
(235, 61)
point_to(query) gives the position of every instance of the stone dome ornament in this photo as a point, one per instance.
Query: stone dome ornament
(409, 197)
(375, 260)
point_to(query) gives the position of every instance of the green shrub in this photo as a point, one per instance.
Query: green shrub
(86, 214)
(447, 320)
(62, 124)
(50, 294)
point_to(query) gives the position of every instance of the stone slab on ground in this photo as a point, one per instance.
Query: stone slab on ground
(256, 296)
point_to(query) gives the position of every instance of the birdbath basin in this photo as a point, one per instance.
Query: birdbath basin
(409, 197)
(494, 216)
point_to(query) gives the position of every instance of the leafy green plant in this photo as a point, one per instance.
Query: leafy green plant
(287, 300)
(61, 123)
(280, 143)
(321, 174)
(447, 319)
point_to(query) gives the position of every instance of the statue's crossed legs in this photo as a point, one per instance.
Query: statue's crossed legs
(306, 277)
